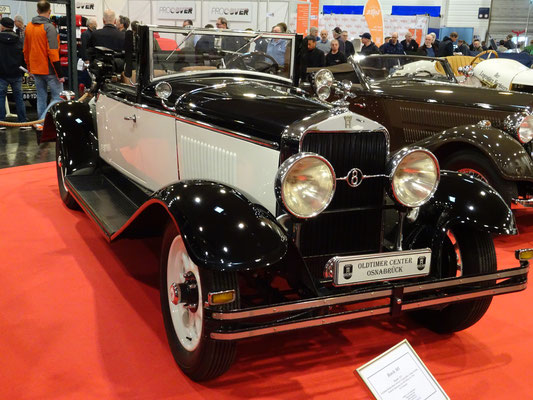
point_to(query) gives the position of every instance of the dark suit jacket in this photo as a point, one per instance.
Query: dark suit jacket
(109, 36)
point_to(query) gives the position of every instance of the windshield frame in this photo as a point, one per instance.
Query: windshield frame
(368, 82)
(249, 35)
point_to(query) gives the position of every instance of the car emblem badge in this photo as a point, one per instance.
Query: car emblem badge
(355, 177)
(421, 263)
(348, 121)
(347, 271)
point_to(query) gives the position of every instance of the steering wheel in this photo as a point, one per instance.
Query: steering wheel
(475, 60)
(252, 62)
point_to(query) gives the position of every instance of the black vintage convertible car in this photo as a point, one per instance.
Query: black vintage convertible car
(277, 212)
(419, 101)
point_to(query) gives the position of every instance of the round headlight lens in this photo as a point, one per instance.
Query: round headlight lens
(415, 177)
(306, 183)
(324, 77)
(323, 92)
(525, 130)
(163, 90)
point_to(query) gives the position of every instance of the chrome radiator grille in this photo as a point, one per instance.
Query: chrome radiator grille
(352, 223)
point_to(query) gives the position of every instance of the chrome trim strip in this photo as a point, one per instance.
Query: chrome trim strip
(303, 305)
(524, 202)
(359, 314)
(232, 72)
(465, 281)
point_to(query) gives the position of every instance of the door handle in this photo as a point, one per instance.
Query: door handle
(132, 118)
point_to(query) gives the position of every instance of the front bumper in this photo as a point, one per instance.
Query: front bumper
(245, 323)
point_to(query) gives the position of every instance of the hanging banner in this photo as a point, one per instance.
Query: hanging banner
(307, 13)
(232, 11)
(374, 20)
(175, 10)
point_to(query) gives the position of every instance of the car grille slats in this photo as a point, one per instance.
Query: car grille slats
(352, 222)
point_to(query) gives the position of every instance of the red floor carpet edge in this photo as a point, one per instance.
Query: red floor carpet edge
(80, 319)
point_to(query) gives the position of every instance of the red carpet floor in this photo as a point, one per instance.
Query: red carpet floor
(80, 319)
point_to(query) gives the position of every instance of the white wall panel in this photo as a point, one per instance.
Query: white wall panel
(462, 14)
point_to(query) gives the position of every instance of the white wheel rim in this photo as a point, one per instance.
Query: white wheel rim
(187, 324)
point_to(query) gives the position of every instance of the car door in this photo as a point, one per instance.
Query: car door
(137, 140)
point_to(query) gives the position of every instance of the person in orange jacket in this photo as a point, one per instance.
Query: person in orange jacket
(41, 53)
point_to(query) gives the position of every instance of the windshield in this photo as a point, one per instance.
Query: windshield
(381, 68)
(184, 50)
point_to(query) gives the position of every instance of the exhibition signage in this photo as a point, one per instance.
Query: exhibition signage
(86, 8)
(307, 13)
(399, 374)
(374, 19)
(5, 10)
(176, 10)
(232, 11)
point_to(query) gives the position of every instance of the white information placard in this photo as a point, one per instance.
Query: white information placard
(399, 374)
(177, 10)
(5, 10)
(232, 11)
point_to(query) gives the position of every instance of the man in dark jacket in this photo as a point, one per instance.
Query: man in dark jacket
(393, 46)
(447, 45)
(368, 47)
(428, 48)
(85, 36)
(311, 57)
(348, 46)
(410, 46)
(109, 36)
(10, 73)
(335, 57)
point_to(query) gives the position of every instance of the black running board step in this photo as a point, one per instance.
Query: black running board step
(106, 204)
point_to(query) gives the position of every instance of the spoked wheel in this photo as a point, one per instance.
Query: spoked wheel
(478, 166)
(465, 252)
(66, 197)
(184, 289)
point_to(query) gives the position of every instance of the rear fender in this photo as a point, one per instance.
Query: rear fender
(71, 124)
(505, 152)
(221, 228)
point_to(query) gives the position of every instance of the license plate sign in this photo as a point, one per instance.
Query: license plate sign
(352, 270)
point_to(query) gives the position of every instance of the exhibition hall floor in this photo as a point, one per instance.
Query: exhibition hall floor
(80, 319)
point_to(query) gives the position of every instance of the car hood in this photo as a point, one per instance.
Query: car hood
(258, 108)
(454, 94)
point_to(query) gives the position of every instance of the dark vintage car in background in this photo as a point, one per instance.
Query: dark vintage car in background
(276, 211)
(420, 102)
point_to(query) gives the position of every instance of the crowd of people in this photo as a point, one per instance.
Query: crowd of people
(34, 49)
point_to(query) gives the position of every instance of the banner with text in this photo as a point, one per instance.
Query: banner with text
(232, 11)
(176, 10)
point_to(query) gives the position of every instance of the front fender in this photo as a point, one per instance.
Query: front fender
(221, 228)
(460, 201)
(506, 153)
(72, 124)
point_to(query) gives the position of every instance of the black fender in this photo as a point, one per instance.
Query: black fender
(221, 228)
(460, 200)
(71, 123)
(506, 153)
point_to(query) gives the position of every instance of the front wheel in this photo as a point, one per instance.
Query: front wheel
(475, 164)
(184, 289)
(465, 252)
(64, 193)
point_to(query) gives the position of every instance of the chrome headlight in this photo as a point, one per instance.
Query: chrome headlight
(520, 125)
(163, 90)
(414, 176)
(305, 184)
(324, 77)
(525, 130)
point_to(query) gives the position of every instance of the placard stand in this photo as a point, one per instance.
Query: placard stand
(399, 374)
